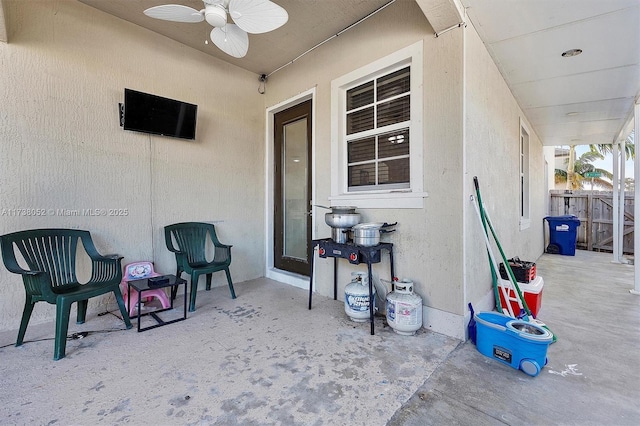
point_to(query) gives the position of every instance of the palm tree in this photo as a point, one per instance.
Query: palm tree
(575, 175)
(574, 178)
(630, 154)
(629, 147)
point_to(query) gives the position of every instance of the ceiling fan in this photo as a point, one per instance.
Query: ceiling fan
(249, 16)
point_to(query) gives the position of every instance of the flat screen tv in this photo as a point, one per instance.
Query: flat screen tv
(143, 112)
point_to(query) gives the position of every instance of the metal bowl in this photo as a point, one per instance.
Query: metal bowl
(340, 220)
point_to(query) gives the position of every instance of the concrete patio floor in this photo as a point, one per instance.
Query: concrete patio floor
(264, 358)
(592, 377)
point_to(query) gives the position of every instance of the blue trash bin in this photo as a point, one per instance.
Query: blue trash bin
(563, 234)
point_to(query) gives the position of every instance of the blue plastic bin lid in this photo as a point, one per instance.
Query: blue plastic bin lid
(565, 218)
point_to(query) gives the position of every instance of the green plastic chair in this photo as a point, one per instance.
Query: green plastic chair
(190, 249)
(50, 256)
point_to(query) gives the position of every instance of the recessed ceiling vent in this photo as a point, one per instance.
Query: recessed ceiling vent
(571, 52)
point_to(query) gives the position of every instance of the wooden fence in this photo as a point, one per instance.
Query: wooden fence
(595, 211)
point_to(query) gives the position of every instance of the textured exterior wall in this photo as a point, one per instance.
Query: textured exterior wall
(63, 74)
(492, 152)
(427, 242)
(439, 247)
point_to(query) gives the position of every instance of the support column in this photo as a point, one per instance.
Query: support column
(636, 204)
(616, 202)
(623, 159)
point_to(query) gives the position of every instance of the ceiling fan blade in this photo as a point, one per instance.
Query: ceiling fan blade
(231, 40)
(175, 13)
(257, 16)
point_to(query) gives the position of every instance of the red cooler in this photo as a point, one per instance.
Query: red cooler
(532, 293)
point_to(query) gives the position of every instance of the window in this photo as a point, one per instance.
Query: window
(377, 133)
(525, 220)
(378, 116)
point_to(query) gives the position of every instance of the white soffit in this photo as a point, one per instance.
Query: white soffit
(511, 19)
(441, 14)
(569, 101)
(537, 56)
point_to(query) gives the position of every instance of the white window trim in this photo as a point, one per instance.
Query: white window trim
(412, 197)
(525, 221)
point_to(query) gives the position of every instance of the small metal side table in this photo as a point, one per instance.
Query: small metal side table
(355, 255)
(140, 286)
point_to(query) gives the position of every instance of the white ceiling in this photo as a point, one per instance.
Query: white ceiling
(585, 99)
(310, 22)
(579, 100)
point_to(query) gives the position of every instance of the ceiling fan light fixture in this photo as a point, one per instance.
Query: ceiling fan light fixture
(571, 52)
(250, 16)
(215, 15)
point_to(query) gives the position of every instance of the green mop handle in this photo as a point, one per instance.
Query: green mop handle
(507, 267)
(494, 273)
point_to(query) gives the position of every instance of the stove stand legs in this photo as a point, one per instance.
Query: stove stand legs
(371, 299)
(313, 251)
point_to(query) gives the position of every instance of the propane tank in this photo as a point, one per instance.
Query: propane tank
(356, 297)
(404, 309)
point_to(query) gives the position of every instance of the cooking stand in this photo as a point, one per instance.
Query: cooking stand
(355, 255)
(142, 285)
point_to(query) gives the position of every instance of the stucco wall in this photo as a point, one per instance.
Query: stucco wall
(428, 241)
(439, 246)
(63, 74)
(492, 152)
(64, 71)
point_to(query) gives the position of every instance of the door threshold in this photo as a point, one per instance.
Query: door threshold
(286, 277)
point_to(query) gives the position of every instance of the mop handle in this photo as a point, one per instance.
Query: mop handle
(521, 302)
(493, 260)
(494, 272)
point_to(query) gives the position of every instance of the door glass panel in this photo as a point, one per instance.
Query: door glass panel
(295, 190)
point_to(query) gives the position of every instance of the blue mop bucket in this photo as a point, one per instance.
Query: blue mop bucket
(520, 344)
